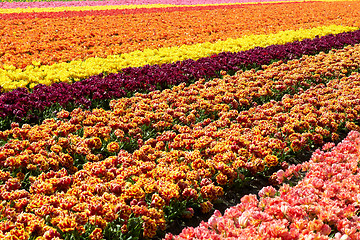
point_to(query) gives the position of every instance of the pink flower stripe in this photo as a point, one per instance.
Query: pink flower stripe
(324, 205)
(126, 2)
(110, 12)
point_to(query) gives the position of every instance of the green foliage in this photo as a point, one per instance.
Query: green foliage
(148, 132)
(79, 160)
(25, 184)
(2, 142)
(114, 229)
(130, 144)
(2, 217)
(175, 209)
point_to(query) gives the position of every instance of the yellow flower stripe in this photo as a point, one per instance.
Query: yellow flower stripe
(111, 7)
(11, 78)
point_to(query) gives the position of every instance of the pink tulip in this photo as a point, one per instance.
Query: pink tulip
(213, 220)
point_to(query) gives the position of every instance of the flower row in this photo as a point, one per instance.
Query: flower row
(204, 143)
(50, 4)
(24, 106)
(53, 40)
(81, 9)
(324, 205)
(10, 14)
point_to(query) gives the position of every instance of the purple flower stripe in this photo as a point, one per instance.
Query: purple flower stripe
(20, 104)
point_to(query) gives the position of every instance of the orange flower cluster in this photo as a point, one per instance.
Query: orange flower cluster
(204, 142)
(48, 41)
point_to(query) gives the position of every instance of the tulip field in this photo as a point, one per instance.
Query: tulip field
(180, 119)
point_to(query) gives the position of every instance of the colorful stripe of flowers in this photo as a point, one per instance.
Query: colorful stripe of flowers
(87, 8)
(48, 4)
(49, 41)
(82, 8)
(12, 78)
(118, 5)
(323, 205)
(103, 11)
(114, 10)
(23, 106)
(184, 145)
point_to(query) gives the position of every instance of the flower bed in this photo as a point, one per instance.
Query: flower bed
(80, 164)
(76, 70)
(150, 143)
(50, 41)
(31, 107)
(323, 205)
